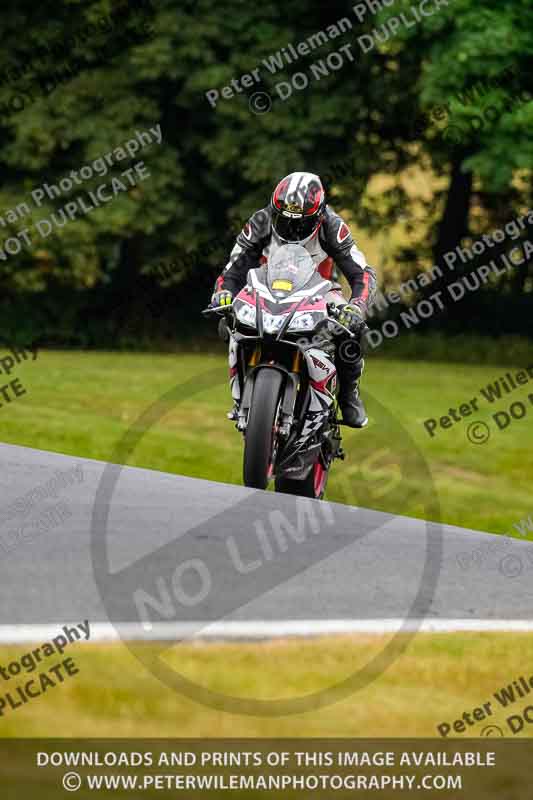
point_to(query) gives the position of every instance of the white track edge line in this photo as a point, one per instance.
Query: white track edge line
(234, 630)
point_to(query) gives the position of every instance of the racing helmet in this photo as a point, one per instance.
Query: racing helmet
(298, 203)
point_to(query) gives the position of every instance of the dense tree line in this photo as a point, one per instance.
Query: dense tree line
(448, 95)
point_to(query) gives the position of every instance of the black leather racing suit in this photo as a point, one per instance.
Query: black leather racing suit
(331, 243)
(333, 240)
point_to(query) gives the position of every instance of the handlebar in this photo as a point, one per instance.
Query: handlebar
(332, 310)
(216, 310)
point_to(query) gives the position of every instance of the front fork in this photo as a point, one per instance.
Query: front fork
(233, 361)
(242, 401)
(242, 404)
(291, 393)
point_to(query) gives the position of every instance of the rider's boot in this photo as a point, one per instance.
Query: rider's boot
(350, 402)
(352, 407)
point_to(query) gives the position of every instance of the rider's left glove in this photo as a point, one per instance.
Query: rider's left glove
(221, 299)
(351, 317)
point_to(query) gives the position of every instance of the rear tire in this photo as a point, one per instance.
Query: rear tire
(259, 440)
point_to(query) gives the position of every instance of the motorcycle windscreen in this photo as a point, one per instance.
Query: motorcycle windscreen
(289, 269)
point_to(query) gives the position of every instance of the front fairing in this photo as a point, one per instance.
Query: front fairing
(294, 313)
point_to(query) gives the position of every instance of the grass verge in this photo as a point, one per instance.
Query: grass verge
(82, 403)
(436, 679)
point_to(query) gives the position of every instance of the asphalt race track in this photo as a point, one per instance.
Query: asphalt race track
(176, 554)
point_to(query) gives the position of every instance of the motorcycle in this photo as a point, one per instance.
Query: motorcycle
(282, 337)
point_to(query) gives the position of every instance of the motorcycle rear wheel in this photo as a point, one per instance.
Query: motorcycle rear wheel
(260, 436)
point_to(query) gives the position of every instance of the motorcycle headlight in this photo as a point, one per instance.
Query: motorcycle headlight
(272, 322)
(302, 322)
(247, 314)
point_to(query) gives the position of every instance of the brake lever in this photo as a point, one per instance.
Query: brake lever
(216, 310)
(338, 324)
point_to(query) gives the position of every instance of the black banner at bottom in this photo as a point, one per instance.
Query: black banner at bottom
(257, 768)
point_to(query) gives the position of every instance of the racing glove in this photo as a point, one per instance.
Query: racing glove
(351, 317)
(222, 298)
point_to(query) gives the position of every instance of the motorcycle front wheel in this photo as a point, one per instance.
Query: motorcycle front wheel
(260, 438)
(314, 485)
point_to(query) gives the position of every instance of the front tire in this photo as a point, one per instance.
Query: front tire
(314, 485)
(260, 434)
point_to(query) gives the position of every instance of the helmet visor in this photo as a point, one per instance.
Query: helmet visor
(294, 229)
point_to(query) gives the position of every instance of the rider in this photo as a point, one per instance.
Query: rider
(298, 214)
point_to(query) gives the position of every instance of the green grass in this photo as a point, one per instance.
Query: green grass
(435, 680)
(471, 349)
(84, 403)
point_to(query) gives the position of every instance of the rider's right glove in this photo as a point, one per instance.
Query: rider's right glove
(221, 299)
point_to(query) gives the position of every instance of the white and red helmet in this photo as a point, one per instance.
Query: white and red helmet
(298, 203)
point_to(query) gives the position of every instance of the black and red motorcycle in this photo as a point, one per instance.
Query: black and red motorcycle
(282, 333)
